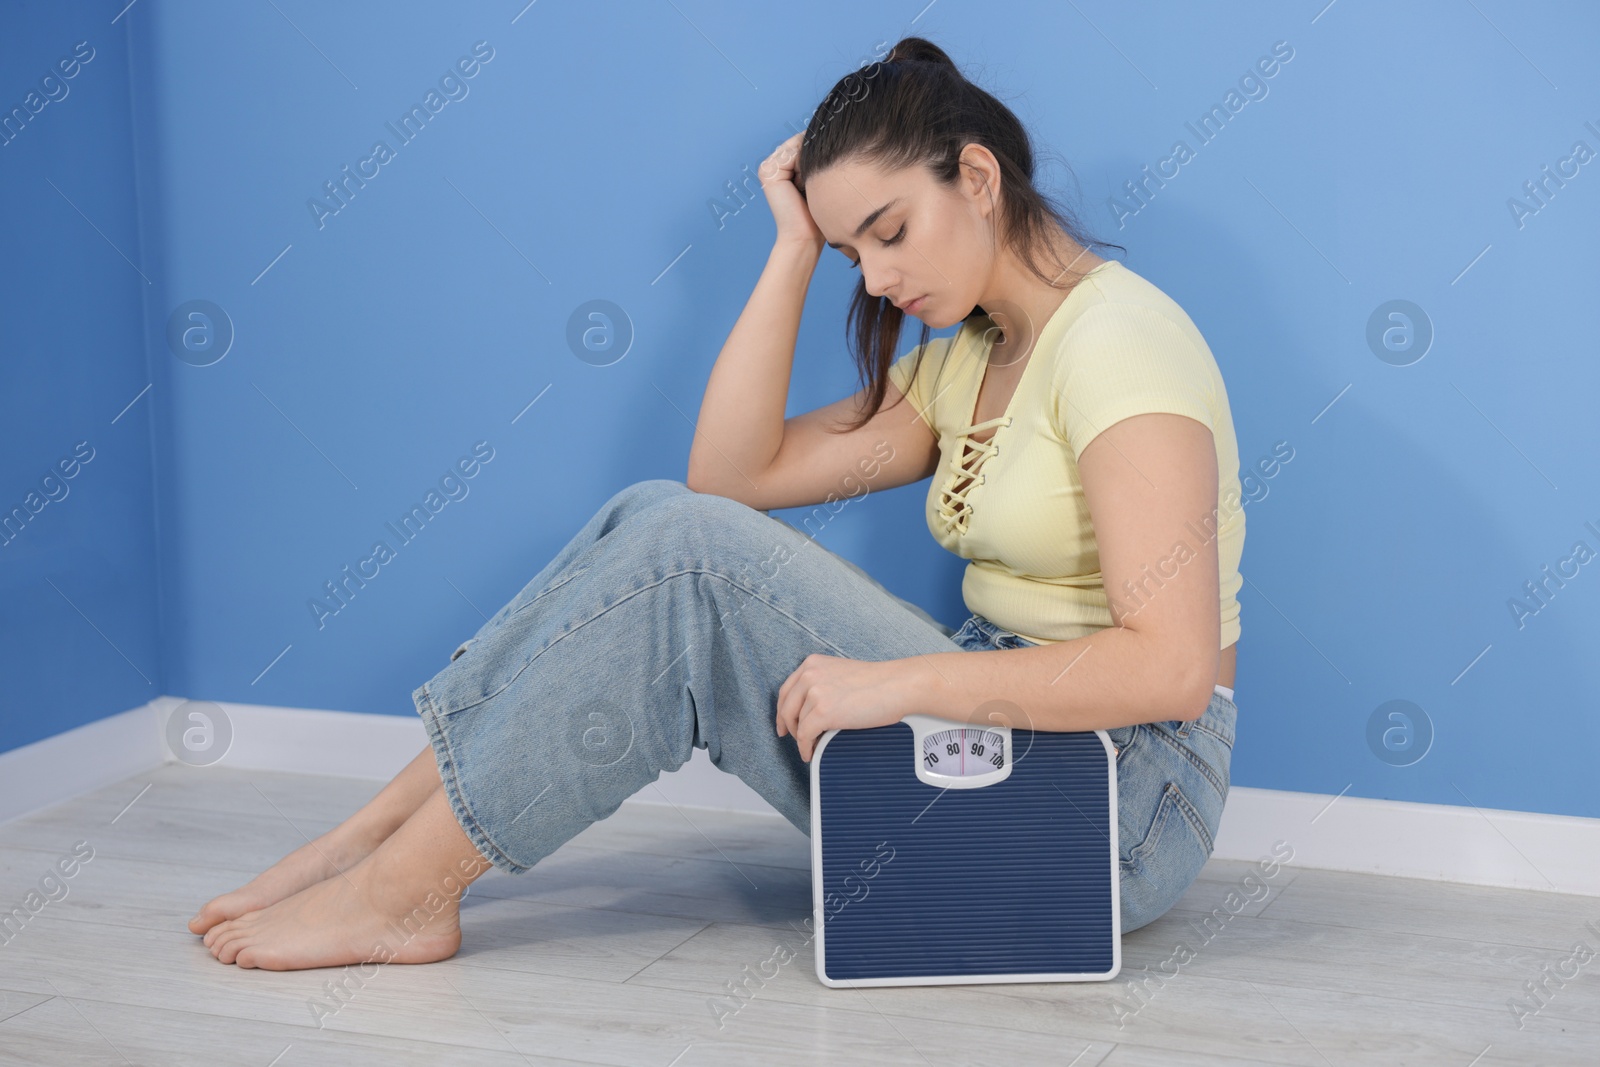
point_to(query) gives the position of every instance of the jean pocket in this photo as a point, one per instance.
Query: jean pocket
(1205, 743)
(1177, 843)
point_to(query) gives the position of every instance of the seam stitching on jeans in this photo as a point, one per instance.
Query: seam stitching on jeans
(552, 587)
(625, 598)
(1192, 816)
(1158, 825)
(452, 785)
(1199, 764)
(1123, 750)
(1198, 725)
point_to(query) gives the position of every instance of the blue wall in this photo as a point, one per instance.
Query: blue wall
(79, 584)
(374, 345)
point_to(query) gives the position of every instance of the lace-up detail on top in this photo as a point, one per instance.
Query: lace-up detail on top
(1116, 347)
(955, 511)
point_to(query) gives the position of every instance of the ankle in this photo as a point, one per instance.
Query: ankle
(353, 841)
(406, 893)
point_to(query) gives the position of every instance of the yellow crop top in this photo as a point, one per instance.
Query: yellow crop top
(1013, 505)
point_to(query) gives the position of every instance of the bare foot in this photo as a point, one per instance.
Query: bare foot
(352, 918)
(304, 867)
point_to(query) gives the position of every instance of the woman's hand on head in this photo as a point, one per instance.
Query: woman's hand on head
(830, 692)
(789, 208)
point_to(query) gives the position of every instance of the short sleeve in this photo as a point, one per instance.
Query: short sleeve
(900, 372)
(900, 375)
(1124, 359)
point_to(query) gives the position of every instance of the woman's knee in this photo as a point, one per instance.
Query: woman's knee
(650, 493)
(706, 532)
(711, 522)
(646, 492)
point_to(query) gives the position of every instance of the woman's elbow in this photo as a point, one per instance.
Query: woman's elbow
(1194, 687)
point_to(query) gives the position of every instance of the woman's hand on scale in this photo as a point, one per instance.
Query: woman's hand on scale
(789, 209)
(831, 692)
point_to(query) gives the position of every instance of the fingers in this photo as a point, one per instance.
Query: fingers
(780, 165)
(790, 694)
(791, 710)
(788, 153)
(809, 730)
(798, 714)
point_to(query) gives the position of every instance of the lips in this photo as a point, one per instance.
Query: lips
(912, 307)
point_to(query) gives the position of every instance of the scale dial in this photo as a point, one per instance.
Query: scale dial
(964, 752)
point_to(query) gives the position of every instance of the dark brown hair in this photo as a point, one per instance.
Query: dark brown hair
(914, 107)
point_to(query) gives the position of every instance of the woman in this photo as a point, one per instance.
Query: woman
(681, 616)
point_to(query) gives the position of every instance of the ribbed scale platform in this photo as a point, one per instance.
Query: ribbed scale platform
(1008, 879)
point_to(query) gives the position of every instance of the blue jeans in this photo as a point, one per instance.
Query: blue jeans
(667, 624)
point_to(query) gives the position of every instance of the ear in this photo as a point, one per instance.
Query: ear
(980, 176)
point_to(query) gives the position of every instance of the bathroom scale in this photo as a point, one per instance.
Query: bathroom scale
(946, 853)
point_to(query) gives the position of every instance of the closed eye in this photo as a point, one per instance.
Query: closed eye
(855, 264)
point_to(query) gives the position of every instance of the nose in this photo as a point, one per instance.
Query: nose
(877, 282)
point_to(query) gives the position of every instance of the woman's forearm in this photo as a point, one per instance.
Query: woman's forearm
(1110, 678)
(741, 416)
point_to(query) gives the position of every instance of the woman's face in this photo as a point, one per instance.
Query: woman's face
(911, 237)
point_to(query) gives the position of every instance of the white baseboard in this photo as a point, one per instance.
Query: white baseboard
(79, 761)
(293, 740)
(1489, 847)
(313, 741)
(1406, 839)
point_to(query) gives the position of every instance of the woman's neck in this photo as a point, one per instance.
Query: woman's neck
(1022, 302)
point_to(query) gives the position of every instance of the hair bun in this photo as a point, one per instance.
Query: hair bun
(918, 50)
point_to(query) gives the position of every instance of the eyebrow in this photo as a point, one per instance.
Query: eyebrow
(869, 220)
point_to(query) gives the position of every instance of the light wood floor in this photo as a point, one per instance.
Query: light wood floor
(619, 948)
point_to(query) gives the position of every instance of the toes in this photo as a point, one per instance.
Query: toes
(207, 917)
(221, 935)
(262, 957)
(227, 951)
